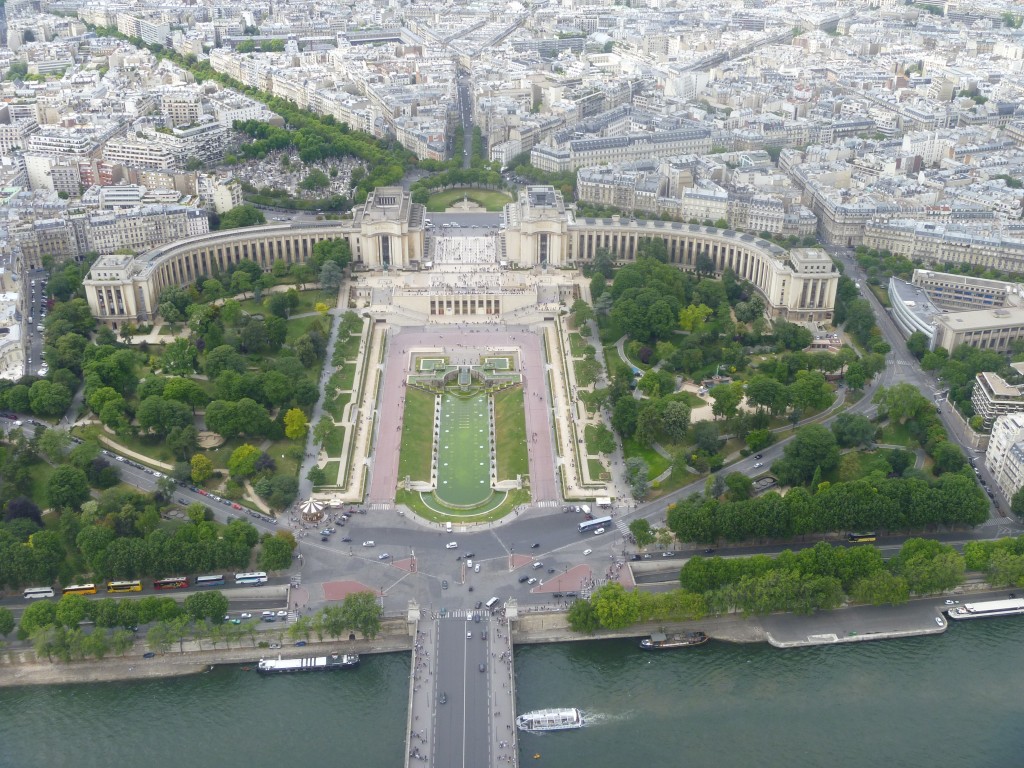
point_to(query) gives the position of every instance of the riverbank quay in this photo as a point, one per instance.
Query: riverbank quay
(22, 668)
(851, 624)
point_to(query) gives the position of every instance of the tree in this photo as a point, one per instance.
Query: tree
(158, 415)
(637, 475)
(38, 615)
(948, 458)
(242, 216)
(740, 486)
(202, 468)
(6, 622)
(361, 611)
(276, 551)
(53, 444)
(705, 437)
(323, 430)
(72, 610)
(880, 588)
(852, 429)
(49, 399)
(331, 276)
(209, 606)
(1017, 503)
(583, 618)
(295, 424)
(180, 356)
(615, 607)
(641, 530)
(814, 446)
(22, 507)
(675, 420)
(121, 641)
(693, 317)
(242, 462)
(67, 487)
(727, 399)
(917, 344)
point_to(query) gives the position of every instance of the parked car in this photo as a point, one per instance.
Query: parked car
(444, 584)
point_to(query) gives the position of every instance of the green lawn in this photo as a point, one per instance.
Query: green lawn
(40, 474)
(331, 469)
(596, 468)
(346, 348)
(857, 464)
(345, 377)
(489, 199)
(417, 420)
(299, 327)
(689, 398)
(510, 423)
(897, 434)
(680, 476)
(463, 463)
(150, 446)
(577, 344)
(591, 437)
(656, 463)
(336, 405)
(335, 442)
(307, 302)
(485, 513)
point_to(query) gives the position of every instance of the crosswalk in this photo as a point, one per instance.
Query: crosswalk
(622, 527)
(460, 613)
(543, 504)
(379, 507)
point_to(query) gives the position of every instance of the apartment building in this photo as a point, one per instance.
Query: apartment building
(1004, 456)
(993, 397)
(621, 149)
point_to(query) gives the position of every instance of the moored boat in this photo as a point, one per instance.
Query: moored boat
(308, 664)
(550, 720)
(659, 641)
(986, 609)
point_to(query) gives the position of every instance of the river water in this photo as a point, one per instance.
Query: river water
(950, 700)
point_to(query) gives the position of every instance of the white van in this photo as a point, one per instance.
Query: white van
(448, 527)
(537, 565)
(491, 603)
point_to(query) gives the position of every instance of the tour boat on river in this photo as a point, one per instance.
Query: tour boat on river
(550, 720)
(309, 664)
(659, 641)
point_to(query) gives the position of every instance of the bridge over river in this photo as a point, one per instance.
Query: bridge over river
(462, 690)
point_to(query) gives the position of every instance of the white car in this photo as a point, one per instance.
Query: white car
(282, 614)
(758, 465)
(599, 531)
(369, 544)
(476, 568)
(245, 615)
(587, 551)
(383, 556)
(452, 545)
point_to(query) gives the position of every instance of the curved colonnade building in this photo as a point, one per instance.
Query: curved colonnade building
(389, 232)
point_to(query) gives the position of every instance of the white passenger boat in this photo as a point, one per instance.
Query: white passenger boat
(550, 720)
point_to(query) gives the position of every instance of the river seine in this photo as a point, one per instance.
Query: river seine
(950, 700)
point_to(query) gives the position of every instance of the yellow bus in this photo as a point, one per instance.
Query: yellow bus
(80, 589)
(124, 586)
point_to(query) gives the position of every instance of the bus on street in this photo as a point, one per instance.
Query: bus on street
(171, 582)
(593, 525)
(124, 586)
(34, 593)
(256, 577)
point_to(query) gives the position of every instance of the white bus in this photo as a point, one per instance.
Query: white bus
(256, 577)
(34, 593)
(597, 522)
(209, 581)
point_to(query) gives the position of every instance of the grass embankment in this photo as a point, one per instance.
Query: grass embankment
(417, 435)
(510, 424)
(486, 198)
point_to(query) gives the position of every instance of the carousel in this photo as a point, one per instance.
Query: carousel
(312, 512)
